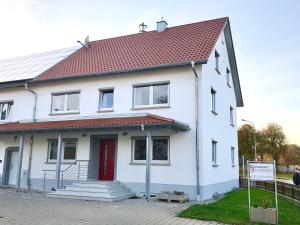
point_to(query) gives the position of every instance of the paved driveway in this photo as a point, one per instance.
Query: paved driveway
(34, 208)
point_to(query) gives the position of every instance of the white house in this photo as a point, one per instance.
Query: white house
(155, 111)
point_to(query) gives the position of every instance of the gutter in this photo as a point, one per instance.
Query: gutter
(197, 129)
(31, 136)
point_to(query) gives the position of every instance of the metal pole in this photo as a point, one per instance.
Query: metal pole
(19, 171)
(29, 163)
(276, 200)
(148, 165)
(255, 154)
(58, 160)
(249, 197)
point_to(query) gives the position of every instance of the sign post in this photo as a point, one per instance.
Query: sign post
(261, 171)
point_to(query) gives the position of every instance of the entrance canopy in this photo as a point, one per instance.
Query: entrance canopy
(112, 123)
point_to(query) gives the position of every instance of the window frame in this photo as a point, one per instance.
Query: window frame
(74, 140)
(228, 77)
(9, 114)
(160, 162)
(65, 94)
(232, 153)
(151, 94)
(217, 61)
(231, 109)
(101, 90)
(214, 152)
(213, 105)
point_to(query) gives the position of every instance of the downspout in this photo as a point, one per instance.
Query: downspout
(197, 129)
(31, 136)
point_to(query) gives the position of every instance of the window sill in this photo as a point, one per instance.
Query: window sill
(105, 110)
(63, 113)
(63, 162)
(218, 71)
(214, 112)
(151, 107)
(152, 164)
(215, 165)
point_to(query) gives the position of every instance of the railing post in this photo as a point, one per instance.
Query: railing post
(44, 182)
(78, 171)
(62, 179)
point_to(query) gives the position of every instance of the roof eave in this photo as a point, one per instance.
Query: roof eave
(115, 72)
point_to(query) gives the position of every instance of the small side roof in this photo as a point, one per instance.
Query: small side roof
(30, 66)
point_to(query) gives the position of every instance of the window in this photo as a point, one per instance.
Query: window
(151, 95)
(213, 100)
(232, 156)
(69, 147)
(231, 116)
(106, 99)
(214, 152)
(160, 150)
(217, 57)
(5, 110)
(65, 102)
(228, 77)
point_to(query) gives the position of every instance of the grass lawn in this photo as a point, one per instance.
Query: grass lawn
(233, 208)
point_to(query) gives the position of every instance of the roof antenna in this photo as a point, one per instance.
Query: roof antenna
(142, 27)
(86, 42)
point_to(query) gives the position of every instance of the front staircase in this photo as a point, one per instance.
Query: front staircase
(94, 190)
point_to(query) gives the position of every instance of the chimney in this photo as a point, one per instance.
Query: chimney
(161, 25)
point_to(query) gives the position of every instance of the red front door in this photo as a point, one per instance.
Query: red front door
(107, 159)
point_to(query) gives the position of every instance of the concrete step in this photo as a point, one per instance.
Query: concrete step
(96, 189)
(90, 193)
(93, 190)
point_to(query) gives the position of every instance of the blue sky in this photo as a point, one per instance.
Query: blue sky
(266, 36)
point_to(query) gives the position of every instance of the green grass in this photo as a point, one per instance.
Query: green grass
(233, 208)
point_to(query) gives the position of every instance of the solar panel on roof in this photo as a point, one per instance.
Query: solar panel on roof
(30, 66)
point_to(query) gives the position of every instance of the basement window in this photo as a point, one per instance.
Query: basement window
(160, 150)
(214, 152)
(69, 148)
(5, 110)
(232, 157)
(65, 102)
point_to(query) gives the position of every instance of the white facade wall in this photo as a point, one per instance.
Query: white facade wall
(218, 127)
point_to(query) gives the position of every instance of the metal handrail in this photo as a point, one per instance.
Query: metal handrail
(74, 171)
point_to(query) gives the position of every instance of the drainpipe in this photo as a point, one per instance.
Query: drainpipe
(148, 161)
(31, 136)
(197, 128)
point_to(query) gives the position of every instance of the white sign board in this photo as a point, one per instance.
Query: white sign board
(261, 171)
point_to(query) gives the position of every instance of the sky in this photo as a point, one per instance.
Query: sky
(266, 35)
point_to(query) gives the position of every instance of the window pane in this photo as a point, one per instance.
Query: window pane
(58, 103)
(142, 95)
(140, 149)
(5, 110)
(160, 94)
(107, 99)
(70, 151)
(73, 102)
(52, 150)
(160, 149)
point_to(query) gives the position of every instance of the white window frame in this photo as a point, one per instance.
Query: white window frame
(232, 156)
(100, 99)
(9, 113)
(66, 95)
(164, 162)
(231, 109)
(151, 93)
(74, 140)
(214, 152)
(228, 77)
(213, 105)
(217, 61)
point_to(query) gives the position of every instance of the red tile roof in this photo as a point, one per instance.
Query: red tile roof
(147, 120)
(174, 46)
